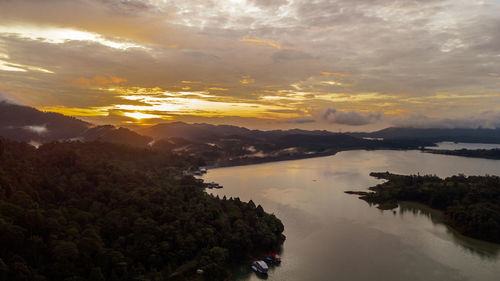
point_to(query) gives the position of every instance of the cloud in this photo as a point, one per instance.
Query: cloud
(326, 73)
(38, 129)
(247, 79)
(297, 52)
(485, 119)
(262, 41)
(301, 121)
(98, 80)
(351, 118)
(287, 55)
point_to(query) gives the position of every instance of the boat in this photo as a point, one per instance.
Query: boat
(260, 267)
(273, 258)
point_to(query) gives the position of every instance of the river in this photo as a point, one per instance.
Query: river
(335, 236)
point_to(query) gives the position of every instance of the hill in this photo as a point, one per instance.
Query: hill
(23, 123)
(208, 132)
(101, 211)
(436, 134)
(120, 135)
(471, 204)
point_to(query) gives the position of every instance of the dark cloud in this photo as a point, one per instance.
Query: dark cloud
(351, 118)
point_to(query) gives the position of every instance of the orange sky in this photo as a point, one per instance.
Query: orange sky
(328, 64)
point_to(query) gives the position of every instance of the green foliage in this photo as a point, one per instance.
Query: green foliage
(98, 211)
(470, 204)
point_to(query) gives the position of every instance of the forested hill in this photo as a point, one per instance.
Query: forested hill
(218, 145)
(24, 123)
(471, 204)
(99, 211)
(475, 153)
(478, 135)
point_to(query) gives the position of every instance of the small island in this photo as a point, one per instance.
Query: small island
(470, 204)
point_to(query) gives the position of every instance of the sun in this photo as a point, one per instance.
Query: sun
(140, 115)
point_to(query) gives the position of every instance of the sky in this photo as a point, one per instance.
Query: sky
(339, 65)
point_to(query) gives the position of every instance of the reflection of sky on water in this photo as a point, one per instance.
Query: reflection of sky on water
(332, 234)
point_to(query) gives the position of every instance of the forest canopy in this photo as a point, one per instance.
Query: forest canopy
(471, 204)
(100, 211)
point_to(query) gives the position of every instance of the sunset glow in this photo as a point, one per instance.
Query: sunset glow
(267, 65)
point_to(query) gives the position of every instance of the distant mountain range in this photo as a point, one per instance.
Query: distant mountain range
(224, 144)
(436, 134)
(23, 123)
(207, 132)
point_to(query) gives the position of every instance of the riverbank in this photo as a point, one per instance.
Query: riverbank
(471, 205)
(262, 160)
(493, 154)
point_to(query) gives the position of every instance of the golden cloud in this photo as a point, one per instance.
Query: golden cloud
(325, 73)
(218, 89)
(98, 80)
(262, 41)
(247, 79)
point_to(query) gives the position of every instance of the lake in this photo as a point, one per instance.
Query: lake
(335, 236)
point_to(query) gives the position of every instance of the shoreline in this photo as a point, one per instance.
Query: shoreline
(425, 209)
(399, 189)
(440, 219)
(264, 160)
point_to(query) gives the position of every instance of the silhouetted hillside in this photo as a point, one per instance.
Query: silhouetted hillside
(23, 123)
(109, 133)
(207, 132)
(437, 134)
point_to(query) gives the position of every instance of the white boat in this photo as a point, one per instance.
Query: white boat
(260, 266)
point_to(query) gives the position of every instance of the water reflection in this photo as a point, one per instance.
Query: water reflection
(483, 249)
(335, 236)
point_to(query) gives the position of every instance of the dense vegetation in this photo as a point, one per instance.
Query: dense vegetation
(20, 122)
(471, 204)
(476, 153)
(98, 211)
(476, 135)
(217, 145)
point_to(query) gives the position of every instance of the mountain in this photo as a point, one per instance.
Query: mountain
(191, 131)
(436, 134)
(224, 144)
(109, 133)
(23, 123)
(207, 132)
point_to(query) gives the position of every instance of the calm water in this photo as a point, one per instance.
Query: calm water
(335, 236)
(447, 145)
